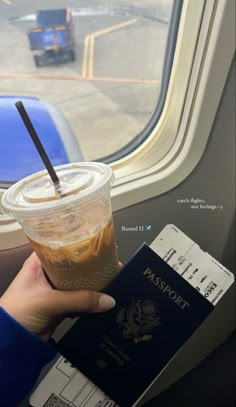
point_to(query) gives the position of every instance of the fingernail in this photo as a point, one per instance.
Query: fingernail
(105, 303)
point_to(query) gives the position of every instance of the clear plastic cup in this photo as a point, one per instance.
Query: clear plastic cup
(73, 235)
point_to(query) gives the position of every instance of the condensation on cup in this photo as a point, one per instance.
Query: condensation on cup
(73, 235)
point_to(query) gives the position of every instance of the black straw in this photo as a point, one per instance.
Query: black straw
(29, 126)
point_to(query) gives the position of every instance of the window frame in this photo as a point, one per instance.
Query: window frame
(204, 51)
(166, 71)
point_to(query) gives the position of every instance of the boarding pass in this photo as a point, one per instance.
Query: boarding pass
(197, 267)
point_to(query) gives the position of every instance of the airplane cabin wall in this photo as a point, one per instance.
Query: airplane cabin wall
(212, 180)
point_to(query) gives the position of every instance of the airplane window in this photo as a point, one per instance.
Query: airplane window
(104, 66)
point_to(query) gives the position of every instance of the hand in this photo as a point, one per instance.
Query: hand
(32, 301)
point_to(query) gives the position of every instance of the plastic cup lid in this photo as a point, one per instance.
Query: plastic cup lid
(4, 219)
(78, 182)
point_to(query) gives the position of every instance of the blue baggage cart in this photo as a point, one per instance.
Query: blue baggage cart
(53, 36)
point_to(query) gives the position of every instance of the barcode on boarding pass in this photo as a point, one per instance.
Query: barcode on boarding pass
(55, 401)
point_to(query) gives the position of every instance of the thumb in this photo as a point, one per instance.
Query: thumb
(66, 302)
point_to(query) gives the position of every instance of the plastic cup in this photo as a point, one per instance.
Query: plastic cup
(73, 235)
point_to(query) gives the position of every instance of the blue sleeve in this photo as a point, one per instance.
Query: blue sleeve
(22, 356)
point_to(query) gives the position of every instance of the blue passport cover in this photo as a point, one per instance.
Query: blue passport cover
(123, 350)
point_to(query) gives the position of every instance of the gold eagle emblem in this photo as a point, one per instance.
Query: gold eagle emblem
(138, 321)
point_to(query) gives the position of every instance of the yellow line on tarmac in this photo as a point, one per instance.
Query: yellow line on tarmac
(76, 78)
(98, 34)
(91, 57)
(85, 56)
(40, 76)
(114, 27)
(88, 53)
(126, 80)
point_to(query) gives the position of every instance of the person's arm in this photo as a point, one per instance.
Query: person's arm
(30, 310)
(22, 356)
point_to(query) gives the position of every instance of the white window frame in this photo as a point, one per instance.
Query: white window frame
(204, 51)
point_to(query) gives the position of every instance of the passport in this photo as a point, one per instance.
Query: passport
(124, 350)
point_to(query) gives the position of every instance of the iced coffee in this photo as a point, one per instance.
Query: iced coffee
(73, 234)
(90, 264)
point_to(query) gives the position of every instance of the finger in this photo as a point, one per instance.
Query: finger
(32, 261)
(32, 270)
(67, 302)
(120, 265)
